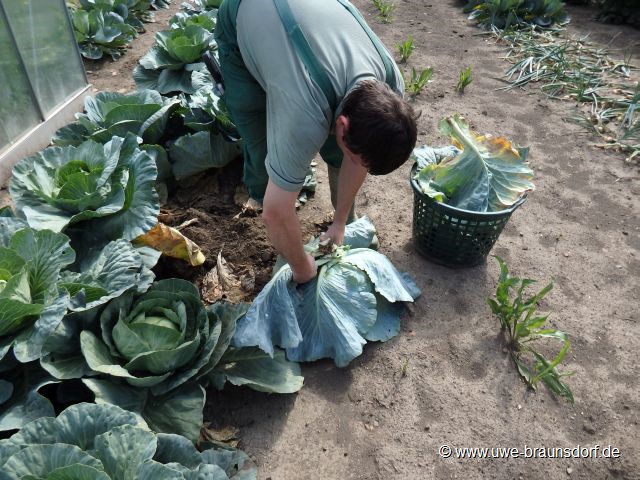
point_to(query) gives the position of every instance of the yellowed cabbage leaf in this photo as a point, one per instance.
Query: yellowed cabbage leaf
(171, 243)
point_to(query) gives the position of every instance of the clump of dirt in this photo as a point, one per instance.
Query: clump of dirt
(208, 209)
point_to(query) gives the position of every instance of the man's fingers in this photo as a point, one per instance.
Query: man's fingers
(325, 239)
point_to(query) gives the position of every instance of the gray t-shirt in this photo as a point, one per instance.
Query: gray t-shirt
(299, 118)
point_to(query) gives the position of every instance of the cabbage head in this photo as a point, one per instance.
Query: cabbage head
(158, 349)
(356, 297)
(144, 113)
(108, 189)
(103, 442)
(169, 65)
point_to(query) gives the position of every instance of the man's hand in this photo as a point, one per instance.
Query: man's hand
(306, 272)
(335, 233)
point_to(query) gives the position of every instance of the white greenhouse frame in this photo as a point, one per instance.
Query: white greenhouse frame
(37, 136)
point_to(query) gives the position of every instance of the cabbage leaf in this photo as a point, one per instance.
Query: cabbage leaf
(354, 298)
(104, 442)
(144, 113)
(488, 175)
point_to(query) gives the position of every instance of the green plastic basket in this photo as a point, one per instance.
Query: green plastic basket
(451, 236)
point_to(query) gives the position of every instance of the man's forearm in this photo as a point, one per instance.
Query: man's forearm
(350, 180)
(283, 227)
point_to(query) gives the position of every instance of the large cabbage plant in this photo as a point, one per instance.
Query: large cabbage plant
(206, 20)
(483, 174)
(99, 32)
(104, 442)
(144, 113)
(356, 297)
(133, 12)
(195, 153)
(42, 295)
(215, 141)
(169, 65)
(108, 188)
(154, 351)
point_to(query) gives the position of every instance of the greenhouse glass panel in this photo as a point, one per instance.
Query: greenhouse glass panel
(47, 46)
(18, 112)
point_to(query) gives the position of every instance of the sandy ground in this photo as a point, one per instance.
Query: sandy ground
(580, 227)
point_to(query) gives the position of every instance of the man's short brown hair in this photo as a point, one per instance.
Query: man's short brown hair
(382, 126)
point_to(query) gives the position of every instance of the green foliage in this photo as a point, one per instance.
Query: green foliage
(143, 113)
(357, 296)
(464, 79)
(405, 49)
(524, 329)
(133, 12)
(176, 55)
(505, 14)
(100, 32)
(206, 20)
(385, 10)
(488, 175)
(109, 189)
(206, 110)
(30, 264)
(159, 348)
(104, 442)
(199, 6)
(418, 81)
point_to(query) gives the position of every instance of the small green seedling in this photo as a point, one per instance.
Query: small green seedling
(418, 81)
(406, 49)
(385, 9)
(522, 327)
(464, 80)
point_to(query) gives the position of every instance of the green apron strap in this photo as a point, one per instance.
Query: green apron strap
(388, 68)
(305, 53)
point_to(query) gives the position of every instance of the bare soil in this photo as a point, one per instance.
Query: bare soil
(445, 379)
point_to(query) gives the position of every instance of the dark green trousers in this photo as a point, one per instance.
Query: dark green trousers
(247, 104)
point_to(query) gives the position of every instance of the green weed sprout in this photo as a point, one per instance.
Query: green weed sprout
(464, 80)
(523, 327)
(406, 49)
(385, 9)
(418, 81)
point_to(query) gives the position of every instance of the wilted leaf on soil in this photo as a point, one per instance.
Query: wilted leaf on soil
(221, 283)
(172, 243)
(227, 435)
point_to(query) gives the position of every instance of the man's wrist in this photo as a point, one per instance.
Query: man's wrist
(340, 219)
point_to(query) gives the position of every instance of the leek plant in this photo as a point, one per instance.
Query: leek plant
(405, 49)
(464, 79)
(385, 9)
(523, 328)
(418, 81)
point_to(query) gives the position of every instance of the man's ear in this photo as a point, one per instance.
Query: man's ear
(342, 127)
(343, 123)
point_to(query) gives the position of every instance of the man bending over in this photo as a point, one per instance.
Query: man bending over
(302, 77)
